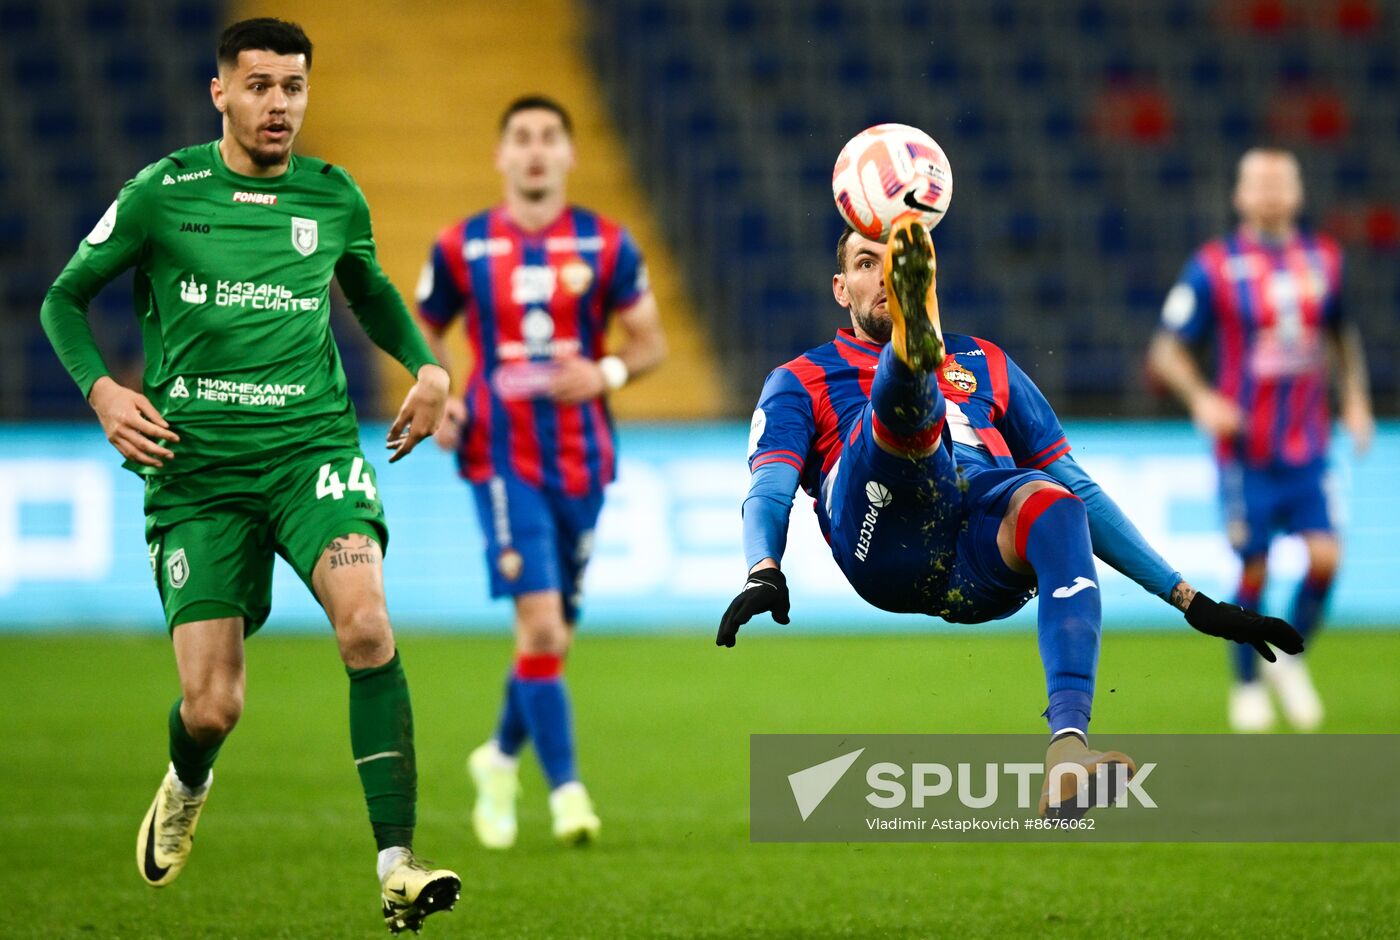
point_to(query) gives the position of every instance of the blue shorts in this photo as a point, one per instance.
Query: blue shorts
(1261, 502)
(920, 536)
(536, 539)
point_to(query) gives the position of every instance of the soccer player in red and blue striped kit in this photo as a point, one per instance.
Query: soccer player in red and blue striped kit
(1271, 294)
(944, 483)
(539, 281)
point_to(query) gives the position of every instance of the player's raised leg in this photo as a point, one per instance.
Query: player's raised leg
(910, 273)
(209, 656)
(1045, 531)
(348, 581)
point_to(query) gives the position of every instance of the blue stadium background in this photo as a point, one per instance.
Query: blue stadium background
(1093, 144)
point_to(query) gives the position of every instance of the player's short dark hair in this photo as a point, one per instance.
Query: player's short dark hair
(537, 103)
(841, 249)
(263, 32)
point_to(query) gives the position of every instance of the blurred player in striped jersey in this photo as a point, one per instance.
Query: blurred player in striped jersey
(1271, 294)
(539, 281)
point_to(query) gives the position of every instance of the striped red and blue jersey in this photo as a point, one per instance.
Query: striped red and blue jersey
(1269, 307)
(531, 299)
(813, 407)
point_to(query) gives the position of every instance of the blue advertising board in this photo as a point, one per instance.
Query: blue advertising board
(667, 555)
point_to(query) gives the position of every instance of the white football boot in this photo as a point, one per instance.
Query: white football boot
(1297, 696)
(1251, 711)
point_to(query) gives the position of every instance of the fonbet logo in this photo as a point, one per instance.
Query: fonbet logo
(256, 199)
(879, 498)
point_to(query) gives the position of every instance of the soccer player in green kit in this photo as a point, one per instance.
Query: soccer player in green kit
(246, 436)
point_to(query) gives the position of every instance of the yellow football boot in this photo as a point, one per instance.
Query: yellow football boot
(575, 822)
(910, 271)
(412, 891)
(167, 833)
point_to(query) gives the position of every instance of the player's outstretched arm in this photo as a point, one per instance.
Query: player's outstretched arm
(1232, 622)
(766, 590)
(421, 413)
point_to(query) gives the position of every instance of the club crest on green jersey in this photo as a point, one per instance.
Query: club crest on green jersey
(177, 569)
(304, 236)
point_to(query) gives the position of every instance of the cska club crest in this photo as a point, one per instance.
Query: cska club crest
(959, 377)
(510, 564)
(304, 237)
(576, 276)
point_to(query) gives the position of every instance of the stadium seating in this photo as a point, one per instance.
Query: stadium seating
(1092, 143)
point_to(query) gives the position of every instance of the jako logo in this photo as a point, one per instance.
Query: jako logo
(879, 498)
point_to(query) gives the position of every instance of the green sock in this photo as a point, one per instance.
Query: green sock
(381, 739)
(192, 760)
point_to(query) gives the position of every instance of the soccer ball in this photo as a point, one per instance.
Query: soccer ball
(886, 171)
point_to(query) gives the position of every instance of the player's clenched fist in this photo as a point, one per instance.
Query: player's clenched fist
(422, 411)
(767, 590)
(131, 423)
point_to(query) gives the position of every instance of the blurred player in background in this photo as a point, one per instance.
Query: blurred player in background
(944, 484)
(539, 281)
(1271, 294)
(246, 437)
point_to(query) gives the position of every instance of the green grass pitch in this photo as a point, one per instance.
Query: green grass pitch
(663, 723)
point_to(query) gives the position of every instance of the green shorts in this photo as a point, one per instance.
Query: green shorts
(212, 534)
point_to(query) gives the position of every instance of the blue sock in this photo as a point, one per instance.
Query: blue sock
(1052, 535)
(511, 733)
(1242, 656)
(1309, 603)
(544, 703)
(908, 408)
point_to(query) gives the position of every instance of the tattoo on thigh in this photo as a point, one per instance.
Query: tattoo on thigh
(352, 550)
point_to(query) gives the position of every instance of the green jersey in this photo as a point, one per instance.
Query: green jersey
(232, 290)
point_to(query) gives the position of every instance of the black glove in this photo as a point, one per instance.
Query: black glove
(766, 590)
(1232, 622)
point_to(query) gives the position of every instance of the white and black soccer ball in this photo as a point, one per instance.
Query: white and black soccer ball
(887, 171)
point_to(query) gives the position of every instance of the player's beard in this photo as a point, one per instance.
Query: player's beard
(261, 156)
(876, 326)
